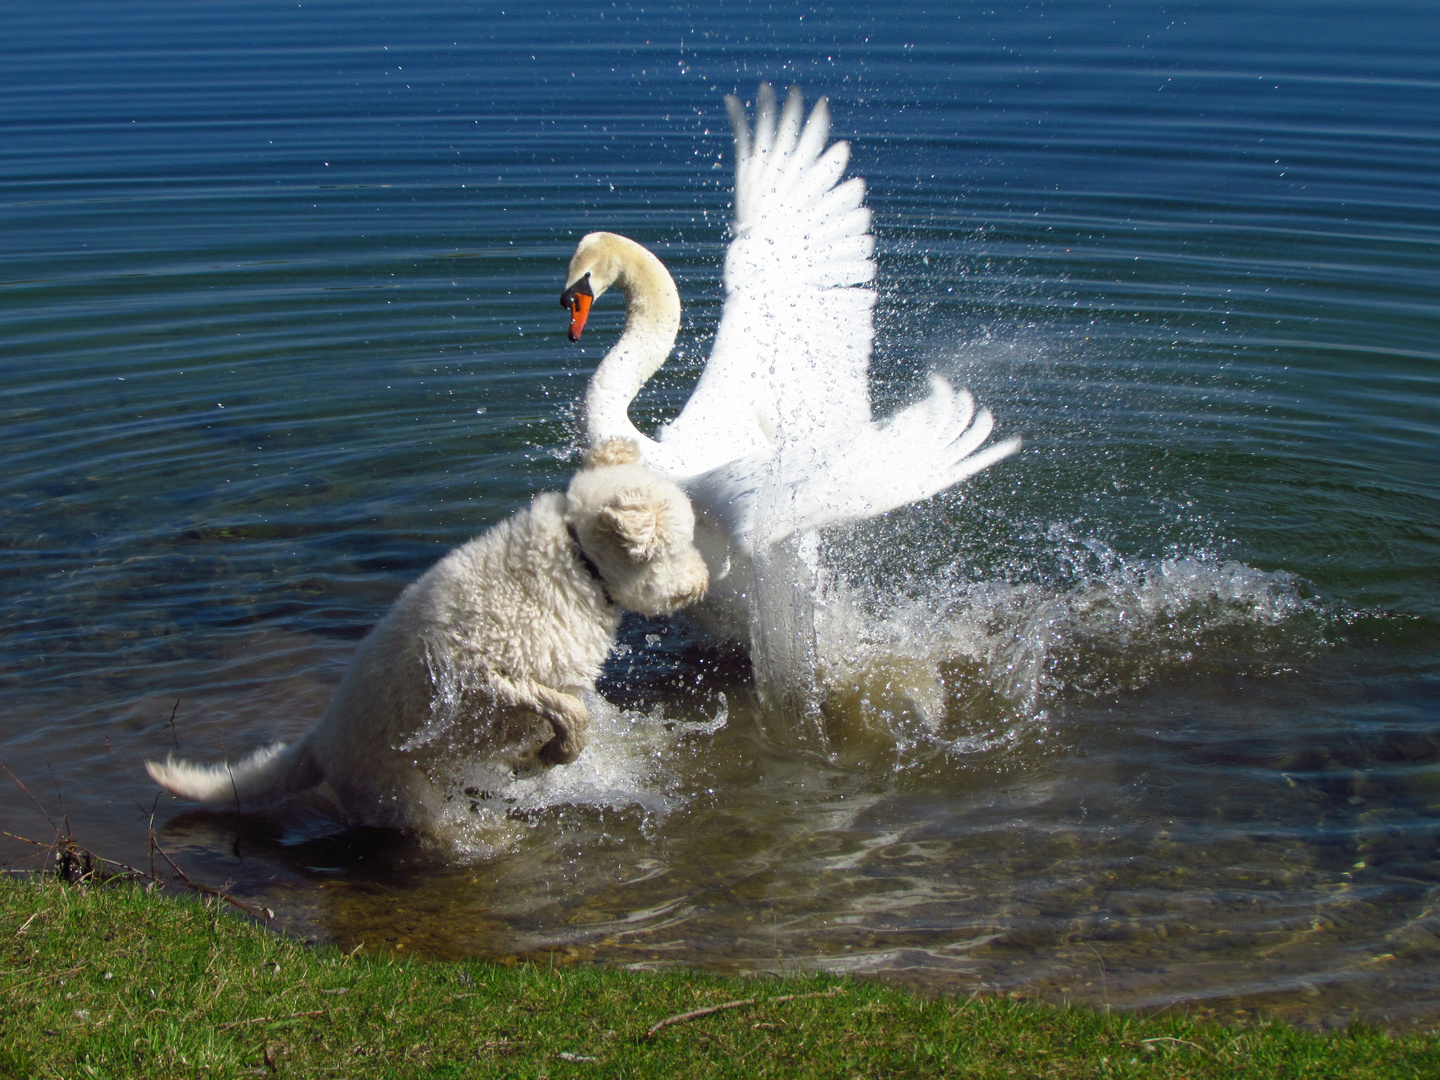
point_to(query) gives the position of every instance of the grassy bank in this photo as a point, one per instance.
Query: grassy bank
(117, 981)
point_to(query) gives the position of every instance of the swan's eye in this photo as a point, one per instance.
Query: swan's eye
(568, 298)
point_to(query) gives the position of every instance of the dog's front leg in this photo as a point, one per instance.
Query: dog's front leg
(570, 720)
(568, 716)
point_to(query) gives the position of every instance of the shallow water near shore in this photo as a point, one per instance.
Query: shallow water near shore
(1145, 716)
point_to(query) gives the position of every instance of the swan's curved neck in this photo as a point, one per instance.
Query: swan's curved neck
(652, 319)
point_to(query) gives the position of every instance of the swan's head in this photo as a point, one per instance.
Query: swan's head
(604, 259)
(637, 529)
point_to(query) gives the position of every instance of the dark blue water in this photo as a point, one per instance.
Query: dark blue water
(278, 325)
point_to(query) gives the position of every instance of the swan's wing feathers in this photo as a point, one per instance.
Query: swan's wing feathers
(790, 362)
(785, 167)
(740, 125)
(787, 136)
(775, 374)
(729, 495)
(781, 156)
(792, 352)
(815, 179)
(852, 223)
(790, 207)
(821, 354)
(764, 120)
(850, 259)
(838, 200)
(762, 498)
(929, 446)
(921, 450)
(750, 165)
(812, 139)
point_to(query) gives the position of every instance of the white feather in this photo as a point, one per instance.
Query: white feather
(777, 436)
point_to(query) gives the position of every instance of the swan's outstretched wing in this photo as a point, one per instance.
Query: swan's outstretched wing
(792, 351)
(917, 453)
(761, 499)
(727, 496)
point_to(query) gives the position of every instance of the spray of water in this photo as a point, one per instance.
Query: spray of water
(630, 765)
(966, 665)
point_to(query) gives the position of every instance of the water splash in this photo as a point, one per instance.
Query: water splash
(963, 666)
(628, 766)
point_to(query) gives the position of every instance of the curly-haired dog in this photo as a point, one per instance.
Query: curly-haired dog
(480, 663)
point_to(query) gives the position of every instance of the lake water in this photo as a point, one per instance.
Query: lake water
(278, 325)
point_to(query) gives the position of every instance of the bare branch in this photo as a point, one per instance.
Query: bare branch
(693, 1014)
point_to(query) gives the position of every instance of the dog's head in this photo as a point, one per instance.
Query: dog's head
(638, 529)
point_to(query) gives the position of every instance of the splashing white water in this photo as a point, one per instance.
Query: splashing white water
(967, 664)
(955, 667)
(628, 765)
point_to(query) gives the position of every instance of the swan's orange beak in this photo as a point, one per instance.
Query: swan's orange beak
(578, 299)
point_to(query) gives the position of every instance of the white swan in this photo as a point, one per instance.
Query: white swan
(777, 436)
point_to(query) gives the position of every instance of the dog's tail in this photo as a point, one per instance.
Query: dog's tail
(264, 778)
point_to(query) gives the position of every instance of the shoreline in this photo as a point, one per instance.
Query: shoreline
(116, 978)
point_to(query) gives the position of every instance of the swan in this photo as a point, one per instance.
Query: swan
(777, 437)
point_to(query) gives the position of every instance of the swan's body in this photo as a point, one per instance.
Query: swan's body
(777, 436)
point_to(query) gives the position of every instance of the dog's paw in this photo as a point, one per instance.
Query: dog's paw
(561, 750)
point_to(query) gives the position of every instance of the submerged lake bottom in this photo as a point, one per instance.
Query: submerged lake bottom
(1235, 812)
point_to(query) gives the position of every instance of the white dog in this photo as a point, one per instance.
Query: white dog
(481, 662)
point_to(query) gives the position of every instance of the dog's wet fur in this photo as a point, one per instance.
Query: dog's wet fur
(478, 667)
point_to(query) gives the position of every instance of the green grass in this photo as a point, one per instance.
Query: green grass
(114, 980)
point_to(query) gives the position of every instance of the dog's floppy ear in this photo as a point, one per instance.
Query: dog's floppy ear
(617, 451)
(638, 521)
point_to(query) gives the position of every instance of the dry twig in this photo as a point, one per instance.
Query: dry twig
(31, 919)
(694, 1014)
(503, 1046)
(270, 1019)
(1187, 1042)
(59, 975)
